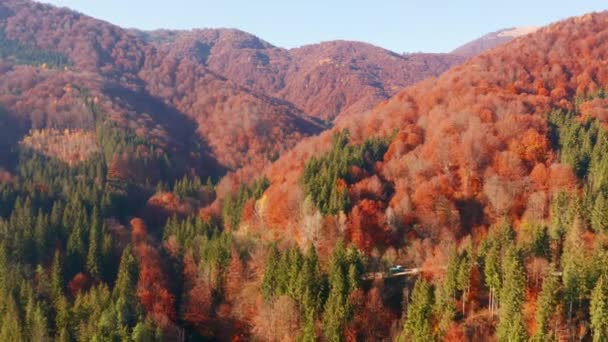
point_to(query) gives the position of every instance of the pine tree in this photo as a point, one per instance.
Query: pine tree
(307, 333)
(127, 305)
(337, 308)
(599, 310)
(599, 214)
(56, 277)
(510, 324)
(418, 325)
(10, 328)
(270, 282)
(444, 309)
(41, 235)
(145, 331)
(492, 275)
(310, 283)
(94, 252)
(62, 317)
(463, 277)
(38, 326)
(574, 266)
(547, 300)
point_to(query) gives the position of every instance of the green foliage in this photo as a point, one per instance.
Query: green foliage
(599, 214)
(511, 323)
(298, 276)
(546, 303)
(126, 304)
(185, 231)
(29, 54)
(345, 271)
(322, 175)
(599, 311)
(233, 205)
(418, 325)
(188, 187)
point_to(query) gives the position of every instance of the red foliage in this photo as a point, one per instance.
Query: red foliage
(366, 225)
(79, 283)
(372, 321)
(477, 134)
(325, 80)
(152, 286)
(235, 276)
(138, 230)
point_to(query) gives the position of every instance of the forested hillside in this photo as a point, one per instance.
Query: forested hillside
(468, 207)
(324, 80)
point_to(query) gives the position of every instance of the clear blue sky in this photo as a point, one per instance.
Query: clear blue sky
(398, 25)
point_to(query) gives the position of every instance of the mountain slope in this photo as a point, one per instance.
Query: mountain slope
(467, 143)
(164, 96)
(492, 40)
(324, 80)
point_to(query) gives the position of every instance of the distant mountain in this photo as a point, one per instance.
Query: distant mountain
(323, 80)
(54, 59)
(492, 40)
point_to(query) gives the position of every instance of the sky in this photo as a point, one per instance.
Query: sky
(398, 25)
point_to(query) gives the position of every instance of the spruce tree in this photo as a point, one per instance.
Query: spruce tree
(510, 325)
(418, 325)
(599, 214)
(270, 281)
(546, 303)
(56, 277)
(599, 310)
(127, 305)
(94, 263)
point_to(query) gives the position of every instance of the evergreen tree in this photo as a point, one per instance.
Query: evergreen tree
(599, 310)
(38, 329)
(127, 304)
(145, 331)
(337, 308)
(510, 324)
(307, 333)
(10, 328)
(94, 257)
(56, 277)
(599, 214)
(574, 267)
(546, 303)
(418, 325)
(444, 309)
(270, 282)
(492, 275)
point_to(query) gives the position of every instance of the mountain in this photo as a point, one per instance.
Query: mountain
(323, 80)
(492, 40)
(490, 147)
(172, 102)
(480, 127)
(172, 186)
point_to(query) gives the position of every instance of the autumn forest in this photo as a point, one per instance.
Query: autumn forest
(206, 185)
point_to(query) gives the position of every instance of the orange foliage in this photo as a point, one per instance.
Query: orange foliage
(532, 146)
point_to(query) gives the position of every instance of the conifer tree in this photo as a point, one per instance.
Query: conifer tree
(57, 280)
(510, 324)
(418, 325)
(127, 305)
(546, 303)
(94, 263)
(270, 282)
(599, 310)
(599, 214)
(10, 327)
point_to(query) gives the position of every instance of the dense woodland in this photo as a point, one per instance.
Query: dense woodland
(144, 197)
